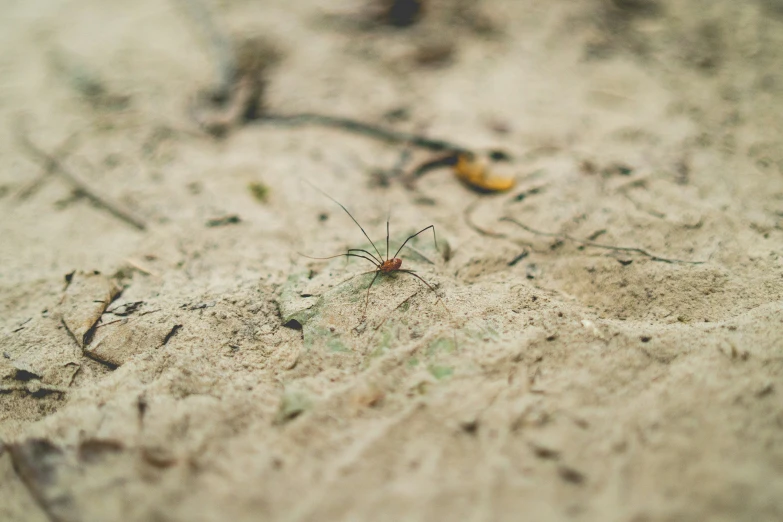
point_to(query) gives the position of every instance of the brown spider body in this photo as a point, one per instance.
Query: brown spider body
(390, 265)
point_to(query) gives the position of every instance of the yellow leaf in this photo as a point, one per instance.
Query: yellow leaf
(477, 176)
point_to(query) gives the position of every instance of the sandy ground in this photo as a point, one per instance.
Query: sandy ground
(201, 369)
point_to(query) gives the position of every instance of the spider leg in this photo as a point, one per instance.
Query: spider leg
(348, 254)
(414, 274)
(367, 299)
(434, 237)
(380, 257)
(417, 276)
(366, 252)
(356, 275)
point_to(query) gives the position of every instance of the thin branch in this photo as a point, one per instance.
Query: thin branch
(52, 164)
(593, 244)
(63, 150)
(358, 127)
(468, 215)
(447, 160)
(522, 255)
(228, 70)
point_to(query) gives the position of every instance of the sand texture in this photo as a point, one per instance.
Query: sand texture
(601, 342)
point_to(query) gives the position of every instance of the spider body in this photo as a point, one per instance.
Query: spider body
(390, 265)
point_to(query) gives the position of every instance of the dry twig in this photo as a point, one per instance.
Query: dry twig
(468, 215)
(366, 129)
(52, 164)
(62, 151)
(593, 244)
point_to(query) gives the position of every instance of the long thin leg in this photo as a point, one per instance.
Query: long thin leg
(341, 255)
(414, 274)
(417, 276)
(380, 257)
(387, 238)
(356, 275)
(416, 234)
(367, 299)
(373, 260)
(366, 252)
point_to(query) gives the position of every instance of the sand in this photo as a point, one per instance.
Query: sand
(168, 354)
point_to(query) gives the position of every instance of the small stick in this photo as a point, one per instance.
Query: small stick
(62, 151)
(448, 160)
(136, 265)
(468, 213)
(52, 164)
(366, 129)
(522, 255)
(110, 322)
(593, 244)
(221, 45)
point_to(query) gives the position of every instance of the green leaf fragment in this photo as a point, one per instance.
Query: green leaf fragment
(292, 405)
(441, 345)
(440, 372)
(259, 191)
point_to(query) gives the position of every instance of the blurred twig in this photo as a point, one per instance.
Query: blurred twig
(593, 244)
(225, 60)
(61, 152)
(367, 129)
(52, 164)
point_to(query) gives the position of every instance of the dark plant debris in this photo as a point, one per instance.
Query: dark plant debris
(231, 219)
(259, 191)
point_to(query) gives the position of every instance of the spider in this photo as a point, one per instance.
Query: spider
(382, 266)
